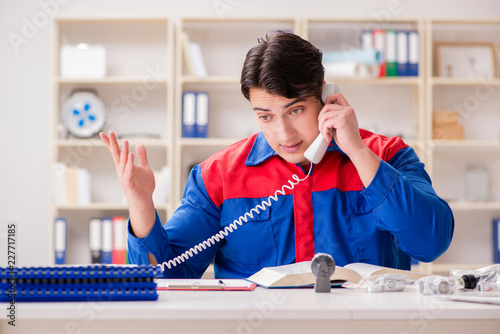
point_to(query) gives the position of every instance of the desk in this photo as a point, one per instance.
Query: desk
(259, 311)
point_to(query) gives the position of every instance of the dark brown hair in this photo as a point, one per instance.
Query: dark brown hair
(283, 64)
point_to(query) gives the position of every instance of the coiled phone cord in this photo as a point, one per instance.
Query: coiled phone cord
(235, 224)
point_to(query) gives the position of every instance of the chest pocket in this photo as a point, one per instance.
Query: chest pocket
(252, 245)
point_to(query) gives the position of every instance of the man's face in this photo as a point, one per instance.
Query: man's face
(289, 125)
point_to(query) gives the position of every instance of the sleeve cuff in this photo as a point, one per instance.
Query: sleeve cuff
(152, 243)
(381, 185)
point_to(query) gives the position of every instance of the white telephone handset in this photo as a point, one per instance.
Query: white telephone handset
(318, 148)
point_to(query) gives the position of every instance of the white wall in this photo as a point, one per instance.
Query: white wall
(24, 83)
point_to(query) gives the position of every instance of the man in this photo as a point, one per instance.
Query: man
(368, 200)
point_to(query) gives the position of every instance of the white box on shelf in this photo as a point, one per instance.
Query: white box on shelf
(477, 184)
(83, 61)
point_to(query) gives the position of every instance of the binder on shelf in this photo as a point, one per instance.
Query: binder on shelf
(60, 228)
(84, 186)
(95, 240)
(366, 40)
(496, 240)
(119, 253)
(402, 54)
(193, 57)
(188, 114)
(198, 61)
(413, 53)
(188, 59)
(80, 283)
(379, 44)
(391, 53)
(107, 240)
(201, 114)
(72, 184)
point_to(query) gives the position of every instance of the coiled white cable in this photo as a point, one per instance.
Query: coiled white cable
(234, 225)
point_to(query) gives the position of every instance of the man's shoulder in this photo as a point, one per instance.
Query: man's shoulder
(385, 147)
(233, 155)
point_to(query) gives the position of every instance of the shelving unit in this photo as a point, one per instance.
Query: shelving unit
(477, 102)
(368, 96)
(391, 106)
(224, 44)
(138, 96)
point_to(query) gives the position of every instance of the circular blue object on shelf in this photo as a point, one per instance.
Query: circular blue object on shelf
(83, 114)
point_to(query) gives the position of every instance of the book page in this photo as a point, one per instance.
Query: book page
(364, 269)
(294, 268)
(345, 274)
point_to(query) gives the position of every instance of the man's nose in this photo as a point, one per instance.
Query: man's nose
(285, 131)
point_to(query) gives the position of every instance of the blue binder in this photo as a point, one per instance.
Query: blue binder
(60, 228)
(189, 115)
(413, 53)
(78, 283)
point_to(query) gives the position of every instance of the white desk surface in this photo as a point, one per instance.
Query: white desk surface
(259, 311)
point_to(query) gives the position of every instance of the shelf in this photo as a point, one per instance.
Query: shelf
(439, 81)
(411, 81)
(111, 81)
(101, 206)
(474, 205)
(223, 142)
(186, 79)
(137, 91)
(466, 21)
(476, 101)
(94, 19)
(352, 81)
(467, 144)
(147, 142)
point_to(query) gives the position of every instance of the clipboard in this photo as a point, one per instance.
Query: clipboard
(204, 284)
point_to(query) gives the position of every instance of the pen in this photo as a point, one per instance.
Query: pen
(198, 285)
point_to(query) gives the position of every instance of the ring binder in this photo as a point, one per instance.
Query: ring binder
(78, 283)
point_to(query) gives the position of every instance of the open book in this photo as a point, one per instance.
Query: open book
(300, 274)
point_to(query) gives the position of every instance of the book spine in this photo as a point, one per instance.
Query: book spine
(84, 186)
(391, 53)
(95, 240)
(119, 240)
(189, 114)
(107, 240)
(60, 228)
(366, 40)
(72, 184)
(413, 53)
(402, 56)
(202, 114)
(379, 44)
(198, 61)
(188, 59)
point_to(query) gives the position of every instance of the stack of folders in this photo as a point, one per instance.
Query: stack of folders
(108, 240)
(78, 283)
(195, 114)
(382, 53)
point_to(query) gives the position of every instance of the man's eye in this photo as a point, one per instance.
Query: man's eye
(265, 118)
(296, 111)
